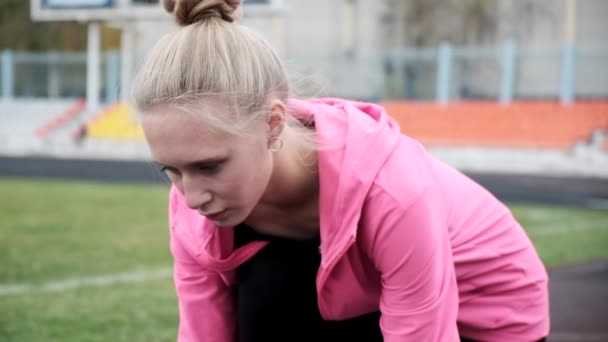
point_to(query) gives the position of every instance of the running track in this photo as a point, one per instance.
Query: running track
(579, 294)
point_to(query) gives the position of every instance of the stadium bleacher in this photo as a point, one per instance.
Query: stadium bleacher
(21, 118)
(520, 125)
(117, 122)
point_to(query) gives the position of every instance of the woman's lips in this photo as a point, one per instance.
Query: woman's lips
(216, 216)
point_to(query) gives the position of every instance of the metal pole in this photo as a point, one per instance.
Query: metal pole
(112, 75)
(54, 78)
(507, 83)
(7, 75)
(93, 65)
(568, 70)
(444, 61)
(126, 61)
(570, 22)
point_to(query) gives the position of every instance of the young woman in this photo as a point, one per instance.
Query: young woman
(318, 220)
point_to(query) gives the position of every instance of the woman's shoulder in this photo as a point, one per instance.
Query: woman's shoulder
(406, 173)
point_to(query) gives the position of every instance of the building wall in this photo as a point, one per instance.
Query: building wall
(342, 53)
(542, 24)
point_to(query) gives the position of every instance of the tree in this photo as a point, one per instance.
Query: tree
(464, 22)
(428, 22)
(19, 32)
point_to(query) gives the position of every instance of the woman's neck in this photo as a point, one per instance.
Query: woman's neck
(292, 195)
(294, 179)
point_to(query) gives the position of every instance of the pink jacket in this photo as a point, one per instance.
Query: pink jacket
(401, 232)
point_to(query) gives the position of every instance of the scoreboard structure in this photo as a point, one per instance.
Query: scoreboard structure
(123, 14)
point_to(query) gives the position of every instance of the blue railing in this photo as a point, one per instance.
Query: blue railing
(444, 73)
(54, 75)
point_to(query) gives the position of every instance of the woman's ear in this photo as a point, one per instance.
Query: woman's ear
(276, 118)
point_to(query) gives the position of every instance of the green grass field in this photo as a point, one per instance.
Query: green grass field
(53, 231)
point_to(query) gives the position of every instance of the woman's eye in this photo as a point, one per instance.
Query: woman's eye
(209, 169)
(166, 169)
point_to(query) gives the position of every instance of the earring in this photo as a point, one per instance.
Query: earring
(275, 144)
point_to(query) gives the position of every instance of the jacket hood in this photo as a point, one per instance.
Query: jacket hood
(355, 140)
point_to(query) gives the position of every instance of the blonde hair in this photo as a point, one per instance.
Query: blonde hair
(211, 57)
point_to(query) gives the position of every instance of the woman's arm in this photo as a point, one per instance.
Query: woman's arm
(411, 249)
(206, 307)
(206, 310)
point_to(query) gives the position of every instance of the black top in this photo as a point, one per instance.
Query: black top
(277, 296)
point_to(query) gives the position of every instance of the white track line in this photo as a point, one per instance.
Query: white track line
(140, 276)
(75, 283)
(563, 230)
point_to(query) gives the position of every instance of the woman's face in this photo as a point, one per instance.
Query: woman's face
(223, 176)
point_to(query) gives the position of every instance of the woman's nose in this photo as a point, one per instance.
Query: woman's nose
(196, 196)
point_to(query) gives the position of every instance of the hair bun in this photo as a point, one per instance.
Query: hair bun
(188, 12)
